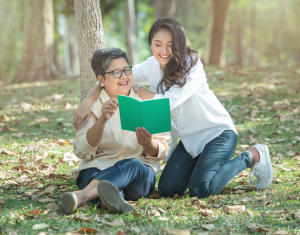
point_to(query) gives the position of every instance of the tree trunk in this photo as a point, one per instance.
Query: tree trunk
(10, 22)
(165, 8)
(90, 38)
(238, 49)
(131, 42)
(220, 12)
(37, 52)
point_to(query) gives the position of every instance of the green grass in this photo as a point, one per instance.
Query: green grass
(249, 95)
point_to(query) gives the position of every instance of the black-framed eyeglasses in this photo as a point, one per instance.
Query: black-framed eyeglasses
(118, 72)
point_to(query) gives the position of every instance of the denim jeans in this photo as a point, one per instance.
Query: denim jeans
(205, 174)
(133, 179)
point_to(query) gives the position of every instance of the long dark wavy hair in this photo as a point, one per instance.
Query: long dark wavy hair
(183, 57)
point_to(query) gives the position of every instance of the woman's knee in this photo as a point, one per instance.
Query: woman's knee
(199, 190)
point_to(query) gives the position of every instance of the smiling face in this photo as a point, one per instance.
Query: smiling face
(161, 46)
(116, 86)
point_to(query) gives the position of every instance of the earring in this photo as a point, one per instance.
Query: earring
(102, 85)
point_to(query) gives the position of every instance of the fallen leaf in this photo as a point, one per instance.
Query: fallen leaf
(87, 230)
(25, 105)
(68, 106)
(57, 96)
(52, 206)
(280, 232)
(173, 231)
(2, 201)
(31, 191)
(120, 232)
(35, 212)
(163, 218)
(18, 135)
(116, 222)
(47, 199)
(40, 226)
(10, 231)
(234, 209)
(208, 226)
(5, 118)
(50, 188)
(290, 153)
(135, 213)
(70, 157)
(7, 152)
(41, 119)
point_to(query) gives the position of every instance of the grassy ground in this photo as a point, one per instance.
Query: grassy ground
(37, 132)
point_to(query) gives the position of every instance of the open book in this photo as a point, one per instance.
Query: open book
(154, 115)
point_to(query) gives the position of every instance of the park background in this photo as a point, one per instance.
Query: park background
(251, 55)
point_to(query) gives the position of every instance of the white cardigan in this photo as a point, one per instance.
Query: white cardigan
(200, 117)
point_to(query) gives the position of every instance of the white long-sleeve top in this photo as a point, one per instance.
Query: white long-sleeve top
(197, 115)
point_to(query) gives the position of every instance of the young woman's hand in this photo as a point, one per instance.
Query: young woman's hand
(143, 136)
(82, 112)
(109, 108)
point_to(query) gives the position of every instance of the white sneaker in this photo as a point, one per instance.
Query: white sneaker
(262, 170)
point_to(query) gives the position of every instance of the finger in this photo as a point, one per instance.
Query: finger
(78, 123)
(113, 104)
(138, 135)
(87, 119)
(143, 136)
(74, 122)
(147, 133)
(108, 111)
(115, 101)
(113, 107)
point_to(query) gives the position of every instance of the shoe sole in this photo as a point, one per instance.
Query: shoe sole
(266, 149)
(68, 202)
(110, 195)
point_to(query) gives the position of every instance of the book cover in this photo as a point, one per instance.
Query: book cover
(154, 115)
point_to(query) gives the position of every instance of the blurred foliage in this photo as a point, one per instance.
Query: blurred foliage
(269, 30)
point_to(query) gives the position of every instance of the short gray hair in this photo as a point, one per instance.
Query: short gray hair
(102, 58)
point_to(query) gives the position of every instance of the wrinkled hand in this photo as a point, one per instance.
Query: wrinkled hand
(109, 108)
(82, 112)
(143, 136)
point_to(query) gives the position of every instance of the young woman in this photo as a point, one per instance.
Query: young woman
(208, 137)
(115, 164)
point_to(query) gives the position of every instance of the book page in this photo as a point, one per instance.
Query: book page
(130, 112)
(156, 115)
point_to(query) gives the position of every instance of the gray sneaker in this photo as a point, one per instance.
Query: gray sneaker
(110, 195)
(262, 170)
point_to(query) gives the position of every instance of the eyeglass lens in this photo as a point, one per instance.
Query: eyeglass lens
(118, 72)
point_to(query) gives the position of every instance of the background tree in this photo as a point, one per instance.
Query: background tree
(37, 51)
(11, 16)
(130, 25)
(90, 37)
(217, 37)
(165, 8)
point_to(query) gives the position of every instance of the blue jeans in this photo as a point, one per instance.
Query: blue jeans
(205, 174)
(133, 179)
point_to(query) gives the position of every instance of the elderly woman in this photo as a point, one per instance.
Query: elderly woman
(116, 164)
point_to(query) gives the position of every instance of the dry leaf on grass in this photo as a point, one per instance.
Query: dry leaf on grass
(35, 212)
(173, 231)
(18, 135)
(7, 152)
(70, 157)
(50, 189)
(52, 206)
(234, 209)
(135, 213)
(5, 118)
(2, 201)
(208, 226)
(280, 232)
(31, 191)
(163, 218)
(10, 231)
(87, 230)
(115, 223)
(40, 226)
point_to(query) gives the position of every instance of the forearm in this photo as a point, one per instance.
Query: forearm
(93, 94)
(145, 94)
(95, 133)
(151, 148)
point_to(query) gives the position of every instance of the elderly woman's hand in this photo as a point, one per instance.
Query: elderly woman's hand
(143, 136)
(109, 108)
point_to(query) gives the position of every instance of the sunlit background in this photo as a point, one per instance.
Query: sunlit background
(257, 33)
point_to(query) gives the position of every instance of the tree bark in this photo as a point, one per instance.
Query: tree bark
(90, 38)
(131, 41)
(238, 49)
(37, 52)
(220, 12)
(165, 8)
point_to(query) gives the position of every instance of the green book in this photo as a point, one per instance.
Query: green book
(154, 115)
